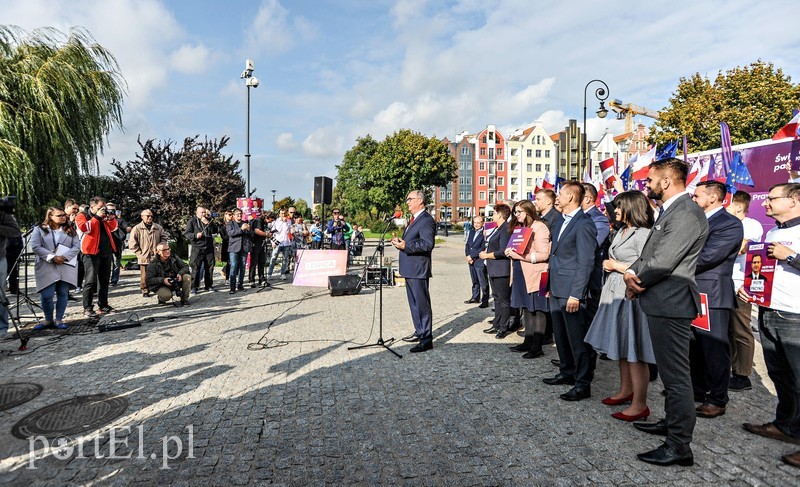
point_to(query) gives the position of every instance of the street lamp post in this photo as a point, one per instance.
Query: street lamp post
(273, 198)
(250, 82)
(601, 93)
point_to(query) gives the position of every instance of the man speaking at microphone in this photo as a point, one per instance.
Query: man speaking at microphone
(415, 248)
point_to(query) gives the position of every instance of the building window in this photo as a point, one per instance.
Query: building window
(491, 153)
(513, 181)
(499, 152)
(483, 139)
(500, 196)
(441, 194)
(449, 195)
(481, 166)
(499, 166)
(538, 167)
(529, 167)
(482, 195)
(483, 151)
(547, 167)
(513, 152)
(465, 151)
(529, 181)
(482, 180)
(538, 152)
(500, 181)
(547, 153)
(529, 152)
(491, 198)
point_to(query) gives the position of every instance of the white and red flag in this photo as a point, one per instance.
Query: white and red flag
(607, 172)
(789, 131)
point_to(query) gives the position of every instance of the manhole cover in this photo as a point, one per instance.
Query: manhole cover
(14, 394)
(71, 417)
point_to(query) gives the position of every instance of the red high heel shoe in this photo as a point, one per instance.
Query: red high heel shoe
(610, 401)
(624, 417)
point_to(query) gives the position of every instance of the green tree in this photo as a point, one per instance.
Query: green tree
(60, 95)
(283, 203)
(350, 193)
(755, 101)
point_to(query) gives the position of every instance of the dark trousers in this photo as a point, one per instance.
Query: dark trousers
(419, 301)
(97, 274)
(81, 270)
(569, 330)
(780, 340)
(710, 359)
(741, 340)
(592, 303)
(258, 259)
(501, 292)
(480, 283)
(670, 337)
(117, 265)
(197, 260)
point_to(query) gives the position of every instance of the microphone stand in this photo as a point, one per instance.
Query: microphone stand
(23, 341)
(381, 342)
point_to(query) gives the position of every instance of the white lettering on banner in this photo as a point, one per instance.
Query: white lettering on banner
(323, 264)
(756, 247)
(761, 196)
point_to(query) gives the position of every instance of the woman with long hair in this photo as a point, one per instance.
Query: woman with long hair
(619, 328)
(526, 275)
(56, 246)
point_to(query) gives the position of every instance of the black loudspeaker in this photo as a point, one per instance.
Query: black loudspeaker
(323, 190)
(344, 285)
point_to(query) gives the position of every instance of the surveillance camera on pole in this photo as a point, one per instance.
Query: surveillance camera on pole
(252, 82)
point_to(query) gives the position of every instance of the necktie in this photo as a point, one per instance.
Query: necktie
(412, 220)
(660, 212)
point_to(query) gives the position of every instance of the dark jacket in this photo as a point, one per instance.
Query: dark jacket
(239, 241)
(715, 263)
(157, 271)
(8, 229)
(204, 244)
(475, 246)
(552, 218)
(572, 257)
(500, 266)
(415, 259)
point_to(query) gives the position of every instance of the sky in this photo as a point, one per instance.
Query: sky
(331, 71)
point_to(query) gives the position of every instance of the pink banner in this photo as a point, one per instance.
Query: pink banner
(759, 271)
(313, 267)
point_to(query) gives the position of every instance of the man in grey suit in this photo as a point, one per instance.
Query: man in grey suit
(663, 281)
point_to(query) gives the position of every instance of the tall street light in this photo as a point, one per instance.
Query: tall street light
(601, 93)
(250, 82)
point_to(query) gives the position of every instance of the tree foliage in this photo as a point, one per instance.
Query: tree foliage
(172, 183)
(60, 95)
(376, 177)
(755, 101)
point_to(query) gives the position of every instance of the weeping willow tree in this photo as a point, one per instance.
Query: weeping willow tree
(60, 95)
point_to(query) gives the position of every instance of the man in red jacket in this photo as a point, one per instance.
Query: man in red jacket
(98, 247)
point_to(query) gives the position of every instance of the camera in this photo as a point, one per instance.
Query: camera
(8, 204)
(176, 285)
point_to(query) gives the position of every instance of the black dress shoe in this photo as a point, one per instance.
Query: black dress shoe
(472, 301)
(483, 305)
(515, 327)
(658, 428)
(555, 362)
(491, 330)
(666, 455)
(577, 394)
(533, 354)
(520, 348)
(421, 347)
(501, 334)
(411, 338)
(558, 380)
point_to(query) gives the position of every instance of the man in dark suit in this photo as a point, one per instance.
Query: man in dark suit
(499, 269)
(571, 262)
(415, 249)
(663, 281)
(601, 251)
(709, 352)
(477, 266)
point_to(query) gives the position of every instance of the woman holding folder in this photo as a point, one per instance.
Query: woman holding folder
(529, 249)
(56, 247)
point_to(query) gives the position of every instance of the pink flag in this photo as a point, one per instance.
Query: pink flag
(790, 130)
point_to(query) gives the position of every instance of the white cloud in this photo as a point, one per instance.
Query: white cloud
(285, 141)
(274, 31)
(192, 59)
(324, 142)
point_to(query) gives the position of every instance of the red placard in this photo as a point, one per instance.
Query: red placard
(702, 321)
(519, 240)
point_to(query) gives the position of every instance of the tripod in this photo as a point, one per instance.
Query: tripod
(381, 342)
(23, 342)
(22, 260)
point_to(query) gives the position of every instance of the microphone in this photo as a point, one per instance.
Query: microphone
(397, 214)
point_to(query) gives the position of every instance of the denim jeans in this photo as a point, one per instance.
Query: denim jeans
(3, 307)
(280, 249)
(237, 269)
(780, 340)
(61, 290)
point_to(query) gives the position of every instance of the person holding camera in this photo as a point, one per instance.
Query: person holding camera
(168, 275)
(281, 243)
(200, 232)
(123, 229)
(8, 229)
(98, 247)
(56, 246)
(239, 243)
(337, 229)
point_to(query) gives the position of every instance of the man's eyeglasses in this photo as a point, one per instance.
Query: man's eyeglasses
(773, 198)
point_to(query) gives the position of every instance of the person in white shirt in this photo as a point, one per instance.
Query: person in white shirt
(779, 323)
(740, 332)
(281, 243)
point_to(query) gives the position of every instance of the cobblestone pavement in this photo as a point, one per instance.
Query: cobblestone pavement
(304, 410)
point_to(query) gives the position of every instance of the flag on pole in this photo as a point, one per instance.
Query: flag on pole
(725, 145)
(739, 174)
(669, 150)
(625, 177)
(586, 177)
(642, 164)
(790, 130)
(607, 172)
(538, 186)
(549, 181)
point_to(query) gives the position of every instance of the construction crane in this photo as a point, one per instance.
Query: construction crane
(628, 110)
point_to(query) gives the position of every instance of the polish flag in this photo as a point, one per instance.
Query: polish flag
(697, 173)
(607, 172)
(642, 165)
(539, 186)
(549, 181)
(789, 131)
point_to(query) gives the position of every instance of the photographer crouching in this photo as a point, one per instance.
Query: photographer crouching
(168, 275)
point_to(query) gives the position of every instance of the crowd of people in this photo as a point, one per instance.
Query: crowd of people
(625, 285)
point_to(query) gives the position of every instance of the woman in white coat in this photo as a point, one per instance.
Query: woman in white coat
(56, 245)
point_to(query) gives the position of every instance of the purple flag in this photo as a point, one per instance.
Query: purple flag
(725, 145)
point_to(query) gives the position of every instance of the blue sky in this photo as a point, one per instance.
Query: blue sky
(331, 71)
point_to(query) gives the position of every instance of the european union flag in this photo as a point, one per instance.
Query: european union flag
(625, 177)
(739, 174)
(669, 150)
